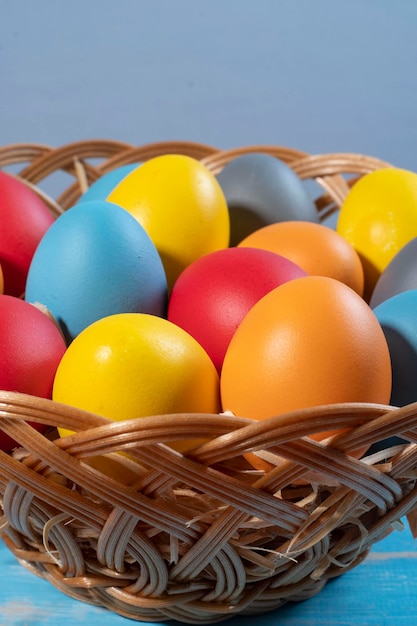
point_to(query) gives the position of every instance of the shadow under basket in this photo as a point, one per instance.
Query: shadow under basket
(115, 516)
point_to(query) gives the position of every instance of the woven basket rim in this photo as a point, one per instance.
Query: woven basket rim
(74, 158)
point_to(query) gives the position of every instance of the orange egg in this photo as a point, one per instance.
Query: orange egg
(1, 281)
(309, 342)
(318, 249)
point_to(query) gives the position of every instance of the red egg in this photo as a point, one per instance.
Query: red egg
(24, 218)
(31, 349)
(213, 294)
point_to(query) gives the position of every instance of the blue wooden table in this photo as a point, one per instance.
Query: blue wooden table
(382, 591)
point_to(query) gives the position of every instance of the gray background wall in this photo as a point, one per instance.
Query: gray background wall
(320, 76)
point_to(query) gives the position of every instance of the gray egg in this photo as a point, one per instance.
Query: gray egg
(399, 275)
(260, 190)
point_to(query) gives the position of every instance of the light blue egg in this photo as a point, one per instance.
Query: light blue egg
(102, 187)
(96, 260)
(398, 318)
(260, 190)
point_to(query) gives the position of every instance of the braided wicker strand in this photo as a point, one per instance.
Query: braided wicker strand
(155, 535)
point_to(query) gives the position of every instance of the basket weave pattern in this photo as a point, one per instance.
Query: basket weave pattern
(202, 536)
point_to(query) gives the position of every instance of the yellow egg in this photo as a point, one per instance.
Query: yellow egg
(378, 217)
(181, 206)
(134, 364)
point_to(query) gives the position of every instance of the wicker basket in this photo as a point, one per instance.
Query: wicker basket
(197, 538)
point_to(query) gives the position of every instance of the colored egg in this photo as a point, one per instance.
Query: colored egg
(101, 188)
(96, 260)
(213, 294)
(378, 217)
(24, 219)
(261, 189)
(398, 318)
(133, 365)
(318, 249)
(399, 275)
(181, 206)
(309, 342)
(31, 349)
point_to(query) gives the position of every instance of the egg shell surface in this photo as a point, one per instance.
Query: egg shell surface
(378, 217)
(181, 206)
(311, 341)
(398, 318)
(24, 219)
(399, 275)
(96, 260)
(101, 188)
(261, 189)
(213, 294)
(318, 249)
(31, 349)
(132, 365)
